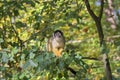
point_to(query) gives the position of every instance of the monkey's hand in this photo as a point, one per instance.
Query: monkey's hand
(58, 51)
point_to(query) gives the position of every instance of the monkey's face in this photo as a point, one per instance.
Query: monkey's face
(58, 35)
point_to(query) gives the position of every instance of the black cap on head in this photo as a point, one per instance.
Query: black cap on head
(58, 31)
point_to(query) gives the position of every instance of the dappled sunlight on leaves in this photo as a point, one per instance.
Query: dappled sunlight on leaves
(25, 27)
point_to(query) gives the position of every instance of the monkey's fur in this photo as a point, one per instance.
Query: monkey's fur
(56, 43)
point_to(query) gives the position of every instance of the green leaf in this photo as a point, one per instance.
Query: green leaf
(14, 50)
(1, 40)
(22, 75)
(5, 57)
(31, 55)
(29, 63)
(26, 65)
(20, 24)
(16, 13)
(61, 64)
(118, 70)
(33, 64)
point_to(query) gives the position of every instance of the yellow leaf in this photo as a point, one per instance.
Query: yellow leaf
(19, 31)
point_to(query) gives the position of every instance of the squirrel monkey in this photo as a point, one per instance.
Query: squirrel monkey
(56, 43)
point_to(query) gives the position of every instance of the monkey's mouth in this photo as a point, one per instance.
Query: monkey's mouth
(58, 48)
(59, 36)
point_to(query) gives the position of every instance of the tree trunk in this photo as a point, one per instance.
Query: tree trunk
(97, 20)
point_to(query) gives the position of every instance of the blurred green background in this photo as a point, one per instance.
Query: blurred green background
(26, 25)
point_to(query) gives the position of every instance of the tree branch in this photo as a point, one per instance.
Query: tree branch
(97, 19)
(91, 58)
(90, 10)
(101, 10)
(71, 70)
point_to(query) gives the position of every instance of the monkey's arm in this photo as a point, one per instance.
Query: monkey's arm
(49, 45)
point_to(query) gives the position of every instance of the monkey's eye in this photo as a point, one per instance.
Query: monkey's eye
(58, 35)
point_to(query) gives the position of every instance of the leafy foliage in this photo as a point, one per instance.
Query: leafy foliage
(25, 27)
